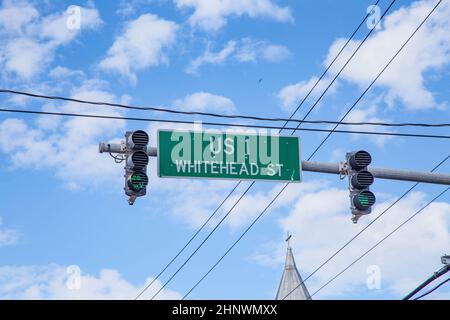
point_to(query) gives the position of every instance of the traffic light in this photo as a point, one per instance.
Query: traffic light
(136, 161)
(360, 179)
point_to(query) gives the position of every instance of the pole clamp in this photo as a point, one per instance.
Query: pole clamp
(343, 169)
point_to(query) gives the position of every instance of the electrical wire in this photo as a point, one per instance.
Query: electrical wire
(432, 290)
(284, 126)
(381, 241)
(285, 186)
(237, 241)
(117, 159)
(217, 115)
(287, 120)
(424, 284)
(186, 245)
(363, 230)
(239, 125)
(237, 116)
(380, 73)
(345, 65)
(288, 183)
(35, 95)
(321, 144)
(328, 68)
(203, 242)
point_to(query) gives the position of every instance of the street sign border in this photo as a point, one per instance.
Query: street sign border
(230, 179)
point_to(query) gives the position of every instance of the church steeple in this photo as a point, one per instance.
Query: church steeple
(291, 279)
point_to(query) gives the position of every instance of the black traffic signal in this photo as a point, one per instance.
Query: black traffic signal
(360, 179)
(136, 161)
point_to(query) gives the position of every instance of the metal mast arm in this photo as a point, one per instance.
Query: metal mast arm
(381, 173)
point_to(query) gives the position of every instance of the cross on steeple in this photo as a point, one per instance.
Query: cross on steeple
(291, 287)
(288, 240)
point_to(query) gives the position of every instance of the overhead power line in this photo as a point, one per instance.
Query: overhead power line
(307, 114)
(237, 241)
(239, 125)
(321, 144)
(297, 128)
(344, 66)
(202, 243)
(424, 284)
(218, 115)
(380, 73)
(407, 192)
(381, 241)
(363, 229)
(284, 126)
(184, 247)
(432, 290)
(328, 68)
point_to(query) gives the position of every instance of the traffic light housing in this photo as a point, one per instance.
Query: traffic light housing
(360, 180)
(136, 162)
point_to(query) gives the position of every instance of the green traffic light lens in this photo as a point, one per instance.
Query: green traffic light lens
(364, 200)
(138, 181)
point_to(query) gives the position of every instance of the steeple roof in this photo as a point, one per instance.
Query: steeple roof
(291, 280)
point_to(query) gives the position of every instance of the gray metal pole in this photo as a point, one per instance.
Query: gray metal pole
(382, 173)
(331, 168)
(118, 148)
(111, 147)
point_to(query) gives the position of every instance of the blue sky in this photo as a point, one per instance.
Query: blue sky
(63, 203)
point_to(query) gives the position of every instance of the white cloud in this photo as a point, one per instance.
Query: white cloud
(275, 53)
(31, 40)
(254, 203)
(291, 95)
(205, 101)
(209, 57)
(60, 72)
(7, 236)
(321, 227)
(61, 283)
(69, 145)
(404, 80)
(212, 15)
(129, 7)
(140, 46)
(244, 50)
(54, 27)
(15, 16)
(367, 114)
(25, 57)
(251, 51)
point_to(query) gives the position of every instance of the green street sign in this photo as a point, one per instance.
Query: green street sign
(219, 155)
